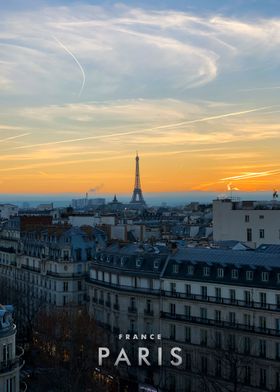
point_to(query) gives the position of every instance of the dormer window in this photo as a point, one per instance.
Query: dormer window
(206, 271)
(156, 264)
(278, 278)
(249, 275)
(220, 272)
(234, 274)
(190, 270)
(122, 261)
(138, 262)
(265, 276)
(175, 268)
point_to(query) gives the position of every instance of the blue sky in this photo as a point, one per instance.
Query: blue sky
(193, 85)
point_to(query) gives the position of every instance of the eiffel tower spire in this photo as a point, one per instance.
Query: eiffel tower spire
(137, 196)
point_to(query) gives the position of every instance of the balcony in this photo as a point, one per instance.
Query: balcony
(132, 309)
(220, 324)
(12, 364)
(119, 287)
(148, 312)
(222, 301)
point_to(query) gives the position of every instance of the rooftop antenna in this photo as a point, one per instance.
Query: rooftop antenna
(275, 194)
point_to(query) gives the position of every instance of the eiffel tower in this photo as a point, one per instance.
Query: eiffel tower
(137, 196)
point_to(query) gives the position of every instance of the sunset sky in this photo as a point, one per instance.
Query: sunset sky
(193, 86)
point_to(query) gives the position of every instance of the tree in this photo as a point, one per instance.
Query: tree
(67, 342)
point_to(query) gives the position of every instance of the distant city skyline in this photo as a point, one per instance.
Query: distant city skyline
(193, 87)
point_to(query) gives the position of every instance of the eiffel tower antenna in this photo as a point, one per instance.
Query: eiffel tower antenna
(137, 196)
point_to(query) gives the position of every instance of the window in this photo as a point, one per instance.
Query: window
(249, 275)
(175, 268)
(247, 345)
(188, 361)
(232, 295)
(277, 300)
(217, 315)
(218, 339)
(261, 217)
(138, 262)
(173, 287)
(188, 289)
(218, 293)
(277, 325)
(278, 278)
(247, 218)
(263, 299)
(172, 309)
(247, 319)
(204, 364)
(249, 235)
(262, 322)
(187, 311)
(262, 377)
(220, 272)
(265, 276)
(172, 331)
(247, 297)
(156, 264)
(262, 348)
(148, 305)
(206, 271)
(203, 337)
(234, 274)
(231, 342)
(190, 270)
(247, 374)
(261, 233)
(232, 317)
(65, 286)
(218, 368)
(277, 350)
(203, 291)
(203, 313)
(79, 285)
(188, 334)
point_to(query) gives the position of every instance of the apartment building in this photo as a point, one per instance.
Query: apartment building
(11, 360)
(221, 307)
(45, 265)
(251, 222)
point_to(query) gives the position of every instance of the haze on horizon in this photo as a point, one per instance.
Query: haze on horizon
(193, 87)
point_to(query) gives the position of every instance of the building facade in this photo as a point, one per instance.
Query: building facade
(251, 222)
(222, 308)
(11, 360)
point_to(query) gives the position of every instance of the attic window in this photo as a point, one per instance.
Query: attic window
(206, 271)
(234, 274)
(138, 262)
(265, 276)
(156, 263)
(220, 272)
(190, 270)
(175, 268)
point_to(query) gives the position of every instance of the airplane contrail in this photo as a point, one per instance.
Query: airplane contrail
(249, 175)
(14, 137)
(76, 61)
(174, 125)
